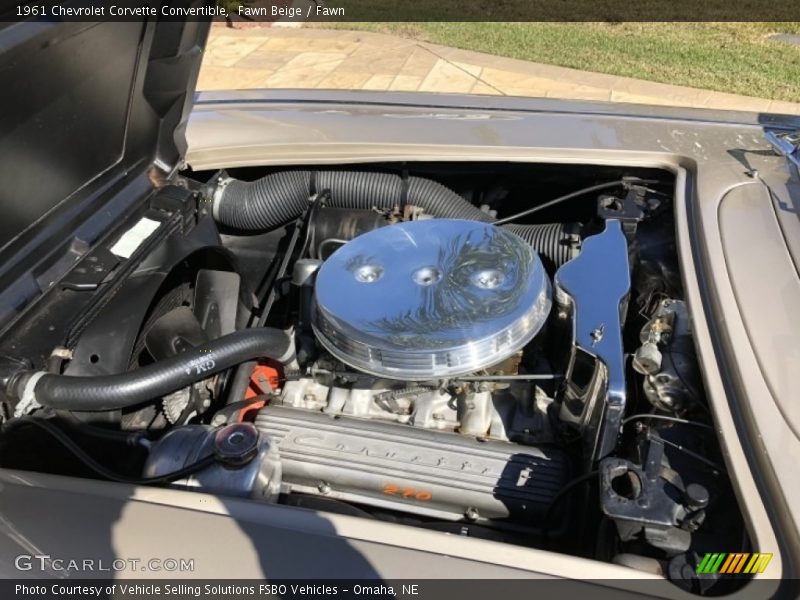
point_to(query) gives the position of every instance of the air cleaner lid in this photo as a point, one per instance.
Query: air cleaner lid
(429, 299)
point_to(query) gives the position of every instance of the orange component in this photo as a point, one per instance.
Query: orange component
(249, 412)
(263, 380)
(392, 489)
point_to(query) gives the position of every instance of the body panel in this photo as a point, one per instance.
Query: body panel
(710, 152)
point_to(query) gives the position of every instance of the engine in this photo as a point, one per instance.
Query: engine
(407, 310)
(389, 349)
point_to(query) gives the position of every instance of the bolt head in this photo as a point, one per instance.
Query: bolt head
(696, 496)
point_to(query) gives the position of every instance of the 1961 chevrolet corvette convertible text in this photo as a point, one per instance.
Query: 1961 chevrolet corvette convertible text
(373, 336)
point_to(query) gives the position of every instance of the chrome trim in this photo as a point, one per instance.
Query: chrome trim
(593, 288)
(785, 143)
(430, 313)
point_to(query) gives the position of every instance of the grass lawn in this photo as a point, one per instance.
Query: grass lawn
(727, 57)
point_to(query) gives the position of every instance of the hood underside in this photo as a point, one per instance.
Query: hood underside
(91, 104)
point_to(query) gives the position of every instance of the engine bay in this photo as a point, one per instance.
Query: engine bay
(499, 351)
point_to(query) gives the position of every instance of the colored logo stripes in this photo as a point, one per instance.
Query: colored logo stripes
(737, 562)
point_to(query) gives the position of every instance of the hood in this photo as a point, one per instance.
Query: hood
(88, 108)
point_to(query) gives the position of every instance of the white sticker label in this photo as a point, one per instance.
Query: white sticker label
(200, 365)
(133, 238)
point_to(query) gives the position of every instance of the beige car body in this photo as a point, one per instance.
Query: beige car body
(738, 232)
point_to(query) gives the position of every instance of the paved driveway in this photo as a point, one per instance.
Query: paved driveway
(280, 57)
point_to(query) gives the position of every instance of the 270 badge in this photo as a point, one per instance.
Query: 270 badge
(408, 493)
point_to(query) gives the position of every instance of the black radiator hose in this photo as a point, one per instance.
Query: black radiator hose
(282, 196)
(110, 392)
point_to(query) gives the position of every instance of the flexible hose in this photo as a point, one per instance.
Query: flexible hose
(555, 242)
(279, 197)
(129, 438)
(110, 392)
(99, 469)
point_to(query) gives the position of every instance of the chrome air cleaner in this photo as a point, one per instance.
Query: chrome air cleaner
(430, 299)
